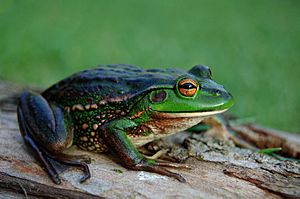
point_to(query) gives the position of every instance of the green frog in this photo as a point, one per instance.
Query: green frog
(117, 108)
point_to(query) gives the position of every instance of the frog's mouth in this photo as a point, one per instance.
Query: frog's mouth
(188, 114)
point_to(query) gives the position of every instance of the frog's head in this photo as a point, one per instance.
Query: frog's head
(179, 100)
(194, 94)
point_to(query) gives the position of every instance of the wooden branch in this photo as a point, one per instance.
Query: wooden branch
(218, 169)
(285, 185)
(29, 187)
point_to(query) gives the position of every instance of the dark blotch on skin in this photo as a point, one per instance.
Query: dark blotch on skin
(158, 96)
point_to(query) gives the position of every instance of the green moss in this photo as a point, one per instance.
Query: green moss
(117, 171)
(269, 150)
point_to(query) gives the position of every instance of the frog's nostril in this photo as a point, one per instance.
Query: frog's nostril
(218, 92)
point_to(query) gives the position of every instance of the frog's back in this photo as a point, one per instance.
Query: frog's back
(110, 83)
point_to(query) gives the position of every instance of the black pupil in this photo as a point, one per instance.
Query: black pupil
(187, 86)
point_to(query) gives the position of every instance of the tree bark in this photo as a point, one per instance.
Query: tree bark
(218, 169)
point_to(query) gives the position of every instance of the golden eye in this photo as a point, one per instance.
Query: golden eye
(187, 87)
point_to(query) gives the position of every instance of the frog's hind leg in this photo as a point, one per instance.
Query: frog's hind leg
(43, 128)
(80, 161)
(114, 133)
(26, 128)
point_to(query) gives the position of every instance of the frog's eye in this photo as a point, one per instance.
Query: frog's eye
(187, 87)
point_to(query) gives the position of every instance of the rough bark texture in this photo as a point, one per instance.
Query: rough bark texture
(218, 169)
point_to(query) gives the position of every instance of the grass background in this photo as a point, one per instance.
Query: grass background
(253, 47)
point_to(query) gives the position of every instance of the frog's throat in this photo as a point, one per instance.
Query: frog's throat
(187, 114)
(163, 124)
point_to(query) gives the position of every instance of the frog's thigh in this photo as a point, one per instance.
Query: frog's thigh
(45, 123)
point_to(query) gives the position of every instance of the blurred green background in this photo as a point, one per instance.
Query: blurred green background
(253, 47)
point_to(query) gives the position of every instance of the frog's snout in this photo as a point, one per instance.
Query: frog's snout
(228, 99)
(216, 98)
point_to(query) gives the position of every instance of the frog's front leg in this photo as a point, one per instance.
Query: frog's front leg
(43, 128)
(115, 136)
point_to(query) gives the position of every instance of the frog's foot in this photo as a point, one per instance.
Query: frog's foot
(48, 165)
(80, 161)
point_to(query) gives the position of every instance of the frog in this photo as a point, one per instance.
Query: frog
(116, 108)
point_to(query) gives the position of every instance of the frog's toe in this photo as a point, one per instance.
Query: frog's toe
(157, 155)
(56, 179)
(172, 165)
(87, 173)
(179, 177)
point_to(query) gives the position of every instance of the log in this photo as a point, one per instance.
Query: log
(218, 169)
